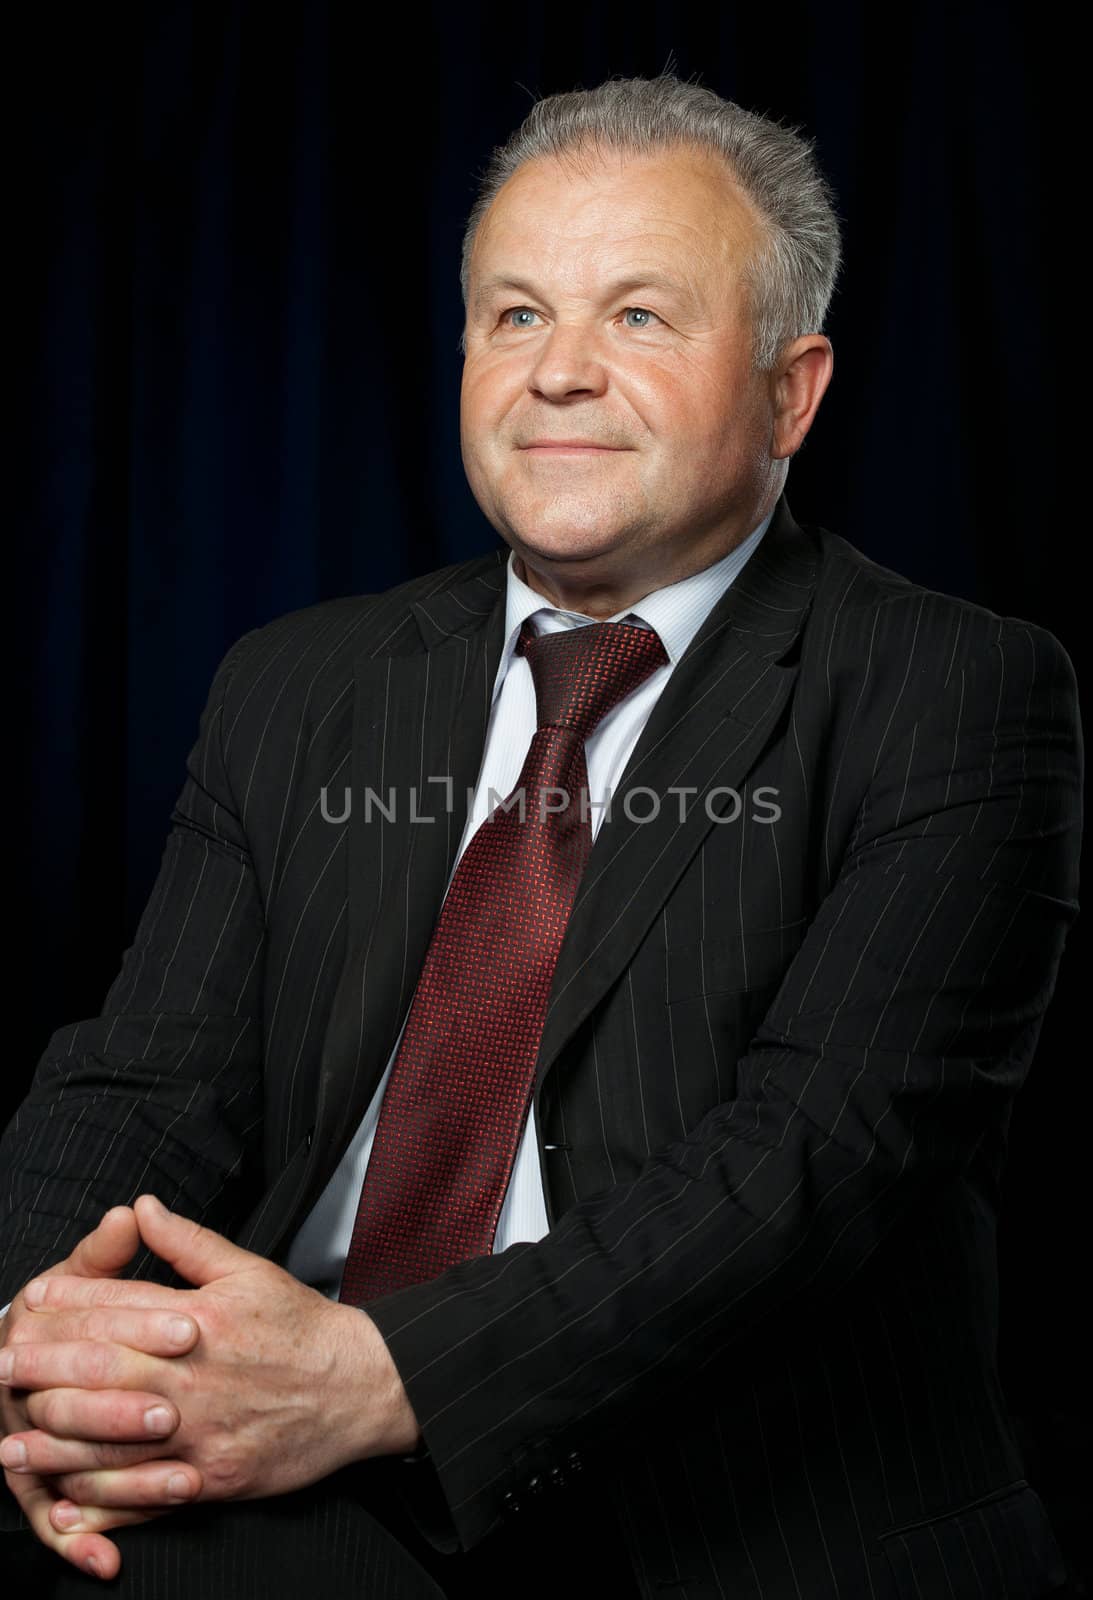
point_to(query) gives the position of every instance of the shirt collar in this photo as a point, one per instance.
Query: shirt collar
(676, 611)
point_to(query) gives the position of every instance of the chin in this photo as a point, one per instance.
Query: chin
(561, 550)
(566, 543)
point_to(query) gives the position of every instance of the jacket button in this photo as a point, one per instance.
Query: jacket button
(535, 1485)
(574, 1462)
(556, 1478)
(509, 1504)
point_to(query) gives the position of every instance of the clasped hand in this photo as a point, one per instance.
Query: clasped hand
(121, 1399)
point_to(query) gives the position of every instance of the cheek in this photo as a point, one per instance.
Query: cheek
(472, 405)
(682, 399)
(738, 428)
(491, 382)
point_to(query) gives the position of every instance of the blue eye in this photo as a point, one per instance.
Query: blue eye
(527, 311)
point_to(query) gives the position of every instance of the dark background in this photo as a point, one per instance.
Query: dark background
(233, 354)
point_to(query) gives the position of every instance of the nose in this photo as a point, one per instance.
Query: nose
(567, 363)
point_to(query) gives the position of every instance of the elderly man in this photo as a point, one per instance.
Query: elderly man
(545, 1134)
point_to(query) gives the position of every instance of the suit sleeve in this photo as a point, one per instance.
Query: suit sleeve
(901, 1031)
(161, 1091)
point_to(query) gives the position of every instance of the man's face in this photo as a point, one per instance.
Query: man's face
(584, 343)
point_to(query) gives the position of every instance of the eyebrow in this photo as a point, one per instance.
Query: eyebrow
(643, 280)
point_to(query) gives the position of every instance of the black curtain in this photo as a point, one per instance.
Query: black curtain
(234, 339)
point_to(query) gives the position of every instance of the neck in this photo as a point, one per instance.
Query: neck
(594, 595)
(598, 600)
(596, 589)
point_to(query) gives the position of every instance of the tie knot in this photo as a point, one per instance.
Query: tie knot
(581, 673)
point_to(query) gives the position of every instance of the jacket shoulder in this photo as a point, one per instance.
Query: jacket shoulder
(316, 646)
(358, 613)
(861, 605)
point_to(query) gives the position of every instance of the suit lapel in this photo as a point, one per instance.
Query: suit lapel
(705, 733)
(419, 714)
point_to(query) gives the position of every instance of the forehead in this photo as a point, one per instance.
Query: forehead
(665, 210)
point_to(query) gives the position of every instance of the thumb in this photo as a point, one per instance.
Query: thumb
(103, 1252)
(197, 1253)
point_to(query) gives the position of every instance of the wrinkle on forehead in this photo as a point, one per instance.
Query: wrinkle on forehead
(715, 229)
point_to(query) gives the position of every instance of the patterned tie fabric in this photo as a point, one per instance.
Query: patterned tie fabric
(456, 1101)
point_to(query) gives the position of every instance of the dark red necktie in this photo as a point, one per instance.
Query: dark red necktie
(456, 1101)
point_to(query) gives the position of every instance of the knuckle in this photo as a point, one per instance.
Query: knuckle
(101, 1325)
(19, 1328)
(77, 1486)
(90, 1325)
(111, 1414)
(98, 1363)
(186, 1376)
(223, 1469)
(110, 1455)
(47, 1409)
(112, 1291)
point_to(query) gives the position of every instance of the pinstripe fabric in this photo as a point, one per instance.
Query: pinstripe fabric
(317, 1543)
(777, 1067)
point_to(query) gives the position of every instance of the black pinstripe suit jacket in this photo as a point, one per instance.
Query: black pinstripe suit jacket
(774, 1082)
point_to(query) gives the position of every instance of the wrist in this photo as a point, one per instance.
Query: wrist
(402, 1436)
(385, 1420)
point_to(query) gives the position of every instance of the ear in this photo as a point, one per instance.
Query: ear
(803, 374)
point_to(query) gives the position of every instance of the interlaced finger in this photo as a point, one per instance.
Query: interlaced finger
(85, 1364)
(65, 1291)
(47, 1455)
(84, 1547)
(156, 1333)
(119, 1416)
(156, 1484)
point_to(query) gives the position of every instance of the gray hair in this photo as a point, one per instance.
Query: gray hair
(792, 274)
